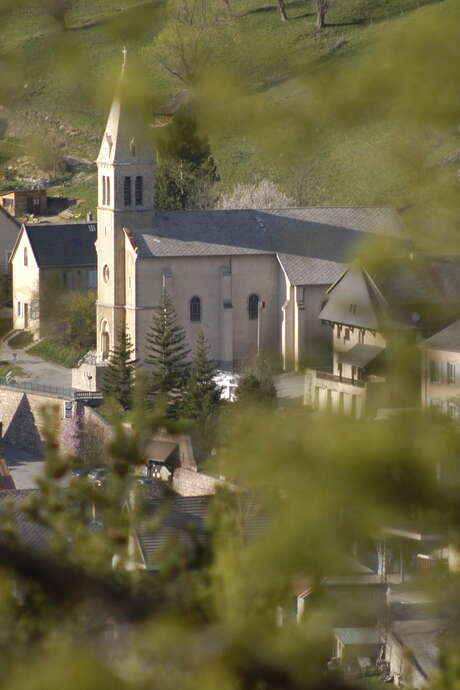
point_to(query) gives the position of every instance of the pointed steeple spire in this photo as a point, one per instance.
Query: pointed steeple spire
(126, 138)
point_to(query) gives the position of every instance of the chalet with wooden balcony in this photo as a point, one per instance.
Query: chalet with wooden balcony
(377, 316)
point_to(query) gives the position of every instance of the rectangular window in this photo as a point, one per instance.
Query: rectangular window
(127, 191)
(64, 279)
(139, 191)
(340, 368)
(68, 409)
(450, 372)
(18, 309)
(361, 337)
(435, 372)
(347, 334)
(339, 331)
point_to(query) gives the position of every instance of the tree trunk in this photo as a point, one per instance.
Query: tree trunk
(322, 7)
(282, 9)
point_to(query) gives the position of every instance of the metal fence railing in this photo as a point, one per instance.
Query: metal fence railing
(59, 391)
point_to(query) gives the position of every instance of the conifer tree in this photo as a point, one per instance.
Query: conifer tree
(201, 394)
(166, 352)
(119, 375)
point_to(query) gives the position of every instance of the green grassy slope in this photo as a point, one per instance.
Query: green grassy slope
(52, 90)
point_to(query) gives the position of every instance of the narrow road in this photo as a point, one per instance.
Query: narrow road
(24, 466)
(37, 369)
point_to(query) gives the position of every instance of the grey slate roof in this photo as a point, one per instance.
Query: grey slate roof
(360, 355)
(69, 244)
(30, 533)
(421, 637)
(184, 521)
(409, 294)
(312, 244)
(447, 340)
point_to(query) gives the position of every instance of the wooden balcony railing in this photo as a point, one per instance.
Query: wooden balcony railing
(329, 376)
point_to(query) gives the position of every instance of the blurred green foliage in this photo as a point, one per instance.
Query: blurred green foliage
(374, 120)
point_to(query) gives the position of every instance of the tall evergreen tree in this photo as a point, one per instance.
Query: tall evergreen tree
(119, 374)
(166, 352)
(201, 394)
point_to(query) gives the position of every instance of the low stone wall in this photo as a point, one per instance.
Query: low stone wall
(21, 417)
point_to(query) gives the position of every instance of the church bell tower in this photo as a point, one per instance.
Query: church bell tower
(125, 200)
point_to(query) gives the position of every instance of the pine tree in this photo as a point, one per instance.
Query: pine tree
(166, 352)
(119, 374)
(202, 395)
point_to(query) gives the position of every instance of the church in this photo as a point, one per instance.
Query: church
(252, 280)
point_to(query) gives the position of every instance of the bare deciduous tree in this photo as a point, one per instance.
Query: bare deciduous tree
(282, 9)
(322, 7)
(265, 194)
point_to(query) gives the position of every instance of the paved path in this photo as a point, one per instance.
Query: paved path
(24, 466)
(37, 369)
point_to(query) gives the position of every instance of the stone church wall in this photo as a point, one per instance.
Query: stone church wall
(223, 285)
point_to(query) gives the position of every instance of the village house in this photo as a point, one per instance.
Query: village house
(252, 280)
(376, 316)
(441, 371)
(48, 261)
(25, 202)
(9, 230)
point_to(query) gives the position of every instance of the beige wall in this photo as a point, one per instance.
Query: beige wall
(230, 333)
(440, 393)
(26, 285)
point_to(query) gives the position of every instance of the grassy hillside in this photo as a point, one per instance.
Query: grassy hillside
(61, 81)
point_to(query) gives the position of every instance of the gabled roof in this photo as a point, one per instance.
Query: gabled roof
(355, 300)
(447, 340)
(9, 227)
(396, 292)
(66, 245)
(313, 245)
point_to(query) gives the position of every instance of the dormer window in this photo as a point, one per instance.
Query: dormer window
(139, 191)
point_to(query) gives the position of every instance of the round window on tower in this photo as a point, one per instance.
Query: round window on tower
(106, 273)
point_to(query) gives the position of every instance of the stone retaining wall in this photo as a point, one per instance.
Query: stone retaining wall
(20, 415)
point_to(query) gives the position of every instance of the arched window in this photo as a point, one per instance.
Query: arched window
(253, 307)
(195, 309)
(139, 191)
(127, 191)
(26, 258)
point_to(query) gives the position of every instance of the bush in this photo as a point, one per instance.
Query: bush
(65, 355)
